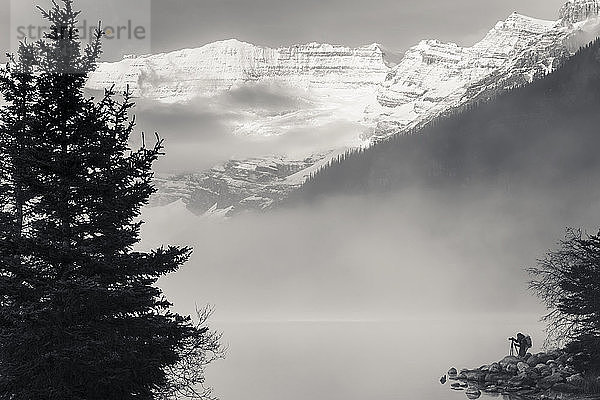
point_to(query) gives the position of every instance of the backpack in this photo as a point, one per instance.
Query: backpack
(528, 342)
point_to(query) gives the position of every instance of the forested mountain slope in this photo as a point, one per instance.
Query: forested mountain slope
(544, 136)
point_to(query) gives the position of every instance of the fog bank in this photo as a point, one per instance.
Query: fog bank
(386, 258)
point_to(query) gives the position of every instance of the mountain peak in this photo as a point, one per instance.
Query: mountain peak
(231, 42)
(523, 23)
(579, 10)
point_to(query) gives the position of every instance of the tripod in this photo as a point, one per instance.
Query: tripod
(512, 348)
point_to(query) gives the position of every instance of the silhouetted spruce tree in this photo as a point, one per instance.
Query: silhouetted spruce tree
(568, 281)
(80, 317)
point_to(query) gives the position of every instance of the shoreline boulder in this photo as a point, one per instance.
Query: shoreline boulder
(522, 366)
(473, 392)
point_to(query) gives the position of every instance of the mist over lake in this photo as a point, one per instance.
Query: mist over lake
(364, 296)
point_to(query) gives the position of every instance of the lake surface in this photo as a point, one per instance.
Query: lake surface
(336, 303)
(359, 360)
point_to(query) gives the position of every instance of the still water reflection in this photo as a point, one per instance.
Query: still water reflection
(403, 359)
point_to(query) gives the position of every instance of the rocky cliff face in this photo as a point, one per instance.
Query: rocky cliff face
(219, 66)
(359, 85)
(579, 10)
(251, 184)
(431, 78)
(434, 76)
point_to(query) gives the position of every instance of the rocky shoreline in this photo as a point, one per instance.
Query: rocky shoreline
(536, 376)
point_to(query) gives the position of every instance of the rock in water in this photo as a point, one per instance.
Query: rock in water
(495, 377)
(476, 376)
(473, 392)
(443, 380)
(492, 389)
(452, 372)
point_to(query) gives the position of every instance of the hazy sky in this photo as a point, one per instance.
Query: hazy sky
(397, 24)
(394, 23)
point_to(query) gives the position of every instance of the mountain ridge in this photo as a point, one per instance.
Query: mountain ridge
(219, 66)
(360, 85)
(536, 140)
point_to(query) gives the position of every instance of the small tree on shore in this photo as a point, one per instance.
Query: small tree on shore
(568, 281)
(80, 315)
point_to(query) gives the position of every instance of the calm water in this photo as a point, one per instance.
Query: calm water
(358, 360)
(451, 286)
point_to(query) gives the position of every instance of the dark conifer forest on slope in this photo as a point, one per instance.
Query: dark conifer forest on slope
(542, 138)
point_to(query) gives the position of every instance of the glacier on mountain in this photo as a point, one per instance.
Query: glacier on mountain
(360, 85)
(215, 67)
(434, 77)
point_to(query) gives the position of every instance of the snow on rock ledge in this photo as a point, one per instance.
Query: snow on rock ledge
(216, 67)
(435, 76)
(360, 85)
(579, 10)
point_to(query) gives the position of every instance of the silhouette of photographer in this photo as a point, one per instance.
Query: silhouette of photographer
(522, 343)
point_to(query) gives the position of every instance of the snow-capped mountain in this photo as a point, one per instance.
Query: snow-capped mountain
(220, 66)
(249, 184)
(435, 76)
(362, 86)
